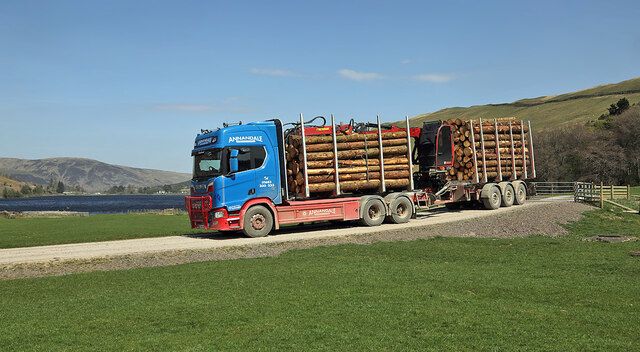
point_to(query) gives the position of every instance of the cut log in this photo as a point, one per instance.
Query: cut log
(505, 143)
(356, 169)
(373, 143)
(502, 162)
(388, 160)
(359, 153)
(503, 136)
(388, 175)
(349, 137)
(501, 128)
(357, 185)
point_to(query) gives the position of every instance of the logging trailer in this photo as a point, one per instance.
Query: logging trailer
(259, 176)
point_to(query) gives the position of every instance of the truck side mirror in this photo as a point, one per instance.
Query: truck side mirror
(233, 161)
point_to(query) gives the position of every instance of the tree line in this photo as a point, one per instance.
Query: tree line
(606, 150)
(28, 190)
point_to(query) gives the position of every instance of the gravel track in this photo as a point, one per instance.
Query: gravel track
(533, 218)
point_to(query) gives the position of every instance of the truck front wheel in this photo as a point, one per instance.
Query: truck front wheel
(257, 222)
(373, 213)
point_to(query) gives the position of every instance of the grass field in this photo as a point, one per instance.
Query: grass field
(549, 111)
(440, 294)
(28, 232)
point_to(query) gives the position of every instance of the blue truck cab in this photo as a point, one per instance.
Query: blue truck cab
(234, 167)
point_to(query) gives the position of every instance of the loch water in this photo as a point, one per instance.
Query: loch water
(94, 204)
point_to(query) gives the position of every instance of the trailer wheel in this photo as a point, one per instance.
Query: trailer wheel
(401, 210)
(373, 213)
(493, 199)
(257, 222)
(521, 194)
(507, 196)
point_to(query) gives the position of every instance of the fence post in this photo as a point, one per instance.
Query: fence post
(628, 191)
(601, 195)
(611, 192)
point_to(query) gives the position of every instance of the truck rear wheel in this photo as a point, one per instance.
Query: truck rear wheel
(507, 196)
(373, 213)
(492, 199)
(401, 210)
(520, 194)
(257, 222)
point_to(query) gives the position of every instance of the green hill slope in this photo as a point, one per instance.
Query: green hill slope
(548, 111)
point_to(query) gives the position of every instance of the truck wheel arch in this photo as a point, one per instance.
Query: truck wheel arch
(264, 202)
(502, 185)
(484, 193)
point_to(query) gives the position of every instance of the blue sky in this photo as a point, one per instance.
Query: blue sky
(132, 82)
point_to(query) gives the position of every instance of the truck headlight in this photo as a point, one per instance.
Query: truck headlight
(218, 214)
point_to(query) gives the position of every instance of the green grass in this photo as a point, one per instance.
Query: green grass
(635, 190)
(28, 232)
(535, 293)
(546, 112)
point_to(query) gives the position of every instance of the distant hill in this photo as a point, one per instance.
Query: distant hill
(548, 111)
(92, 175)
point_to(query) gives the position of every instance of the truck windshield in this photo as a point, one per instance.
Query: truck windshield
(207, 163)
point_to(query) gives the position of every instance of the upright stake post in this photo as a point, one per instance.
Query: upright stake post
(335, 155)
(533, 158)
(611, 192)
(513, 155)
(484, 161)
(601, 195)
(495, 123)
(524, 155)
(475, 156)
(383, 187)
(409, 155)
(628, 191)
(304, 158)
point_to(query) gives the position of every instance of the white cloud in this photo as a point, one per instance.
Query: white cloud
(360, 76)
(198, 108)
(434, 77)
(273, 72)
(405, 62)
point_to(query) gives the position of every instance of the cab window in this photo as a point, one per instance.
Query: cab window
(250, 158)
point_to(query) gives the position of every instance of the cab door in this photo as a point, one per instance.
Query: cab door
(242, 185)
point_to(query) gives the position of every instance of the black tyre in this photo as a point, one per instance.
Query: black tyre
(401, 210)
(507, 196)
(257, 222)
(493, 198)
(520, 194)
(373, 213)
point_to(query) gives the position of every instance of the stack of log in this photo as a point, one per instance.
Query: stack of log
(463, 165)
(358, 162)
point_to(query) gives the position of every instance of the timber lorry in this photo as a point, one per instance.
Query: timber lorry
(259, 176)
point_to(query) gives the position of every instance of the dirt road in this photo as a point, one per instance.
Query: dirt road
(297, 233)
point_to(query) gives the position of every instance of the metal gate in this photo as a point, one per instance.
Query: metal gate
(552, 191)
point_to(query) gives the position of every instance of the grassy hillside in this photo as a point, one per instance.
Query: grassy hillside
(548, 111)
(92, 175)
(9, 183)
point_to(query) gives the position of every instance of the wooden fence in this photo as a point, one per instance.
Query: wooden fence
(590, 192)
